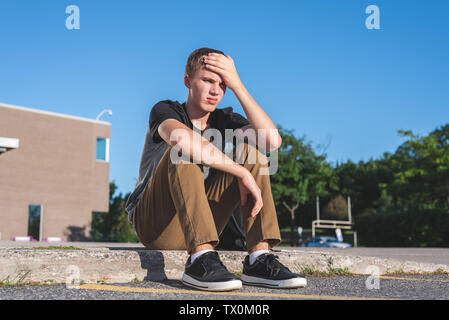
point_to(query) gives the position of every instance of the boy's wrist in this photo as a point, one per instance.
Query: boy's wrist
(241, 171)
(232, 167)
(239, 87)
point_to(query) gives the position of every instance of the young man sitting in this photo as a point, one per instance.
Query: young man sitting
(185, 205)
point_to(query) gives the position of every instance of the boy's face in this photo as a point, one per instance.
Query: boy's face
(206, 89)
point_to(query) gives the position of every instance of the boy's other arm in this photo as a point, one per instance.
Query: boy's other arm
(258, 119)
(197, 148)
(200, 150)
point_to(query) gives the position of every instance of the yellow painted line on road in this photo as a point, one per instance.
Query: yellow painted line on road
(412, 279)
(232, 293)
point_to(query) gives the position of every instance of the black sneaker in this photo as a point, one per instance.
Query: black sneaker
(207, 272)
(267, 271)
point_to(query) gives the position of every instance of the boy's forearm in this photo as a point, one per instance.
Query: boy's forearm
(200, 150)
(255, 114)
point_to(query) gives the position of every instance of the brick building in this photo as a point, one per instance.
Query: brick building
(54, 173)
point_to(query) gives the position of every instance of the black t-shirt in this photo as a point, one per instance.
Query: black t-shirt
(155, 147)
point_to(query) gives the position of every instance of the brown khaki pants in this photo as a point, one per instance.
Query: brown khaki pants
(179, 211)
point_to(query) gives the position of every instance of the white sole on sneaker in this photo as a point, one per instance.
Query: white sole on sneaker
(280, 284)
(211, 286)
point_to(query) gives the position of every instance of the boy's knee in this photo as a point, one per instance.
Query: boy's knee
(182, 164)
(247, 153)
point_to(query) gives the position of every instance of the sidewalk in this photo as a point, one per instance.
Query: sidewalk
(90, 262)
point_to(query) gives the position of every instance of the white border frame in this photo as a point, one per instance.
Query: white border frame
(106, 151)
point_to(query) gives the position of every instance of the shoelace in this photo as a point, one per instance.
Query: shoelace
(272, 265)
(213, 260)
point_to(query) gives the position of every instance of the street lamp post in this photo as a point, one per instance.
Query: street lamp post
(102, 112)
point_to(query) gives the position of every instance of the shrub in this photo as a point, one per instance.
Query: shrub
(410, 228)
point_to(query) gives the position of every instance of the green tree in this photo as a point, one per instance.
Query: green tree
(302, 175)
(113, 226)
(402, 198)
(364, 182)
(421, 170)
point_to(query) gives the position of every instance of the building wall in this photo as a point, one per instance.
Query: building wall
(54, 166)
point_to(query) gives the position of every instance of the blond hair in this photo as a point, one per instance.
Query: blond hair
(196, 60)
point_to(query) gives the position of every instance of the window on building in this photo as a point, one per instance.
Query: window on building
(102, 149)
(34, 221)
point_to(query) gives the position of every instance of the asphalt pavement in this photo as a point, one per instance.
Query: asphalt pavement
(416, 287)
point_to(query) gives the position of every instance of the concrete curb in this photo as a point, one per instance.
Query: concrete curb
(124, 265)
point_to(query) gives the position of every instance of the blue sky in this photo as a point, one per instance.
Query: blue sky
(312, 65)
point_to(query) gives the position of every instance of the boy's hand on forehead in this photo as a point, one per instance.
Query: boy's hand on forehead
(224, 66)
